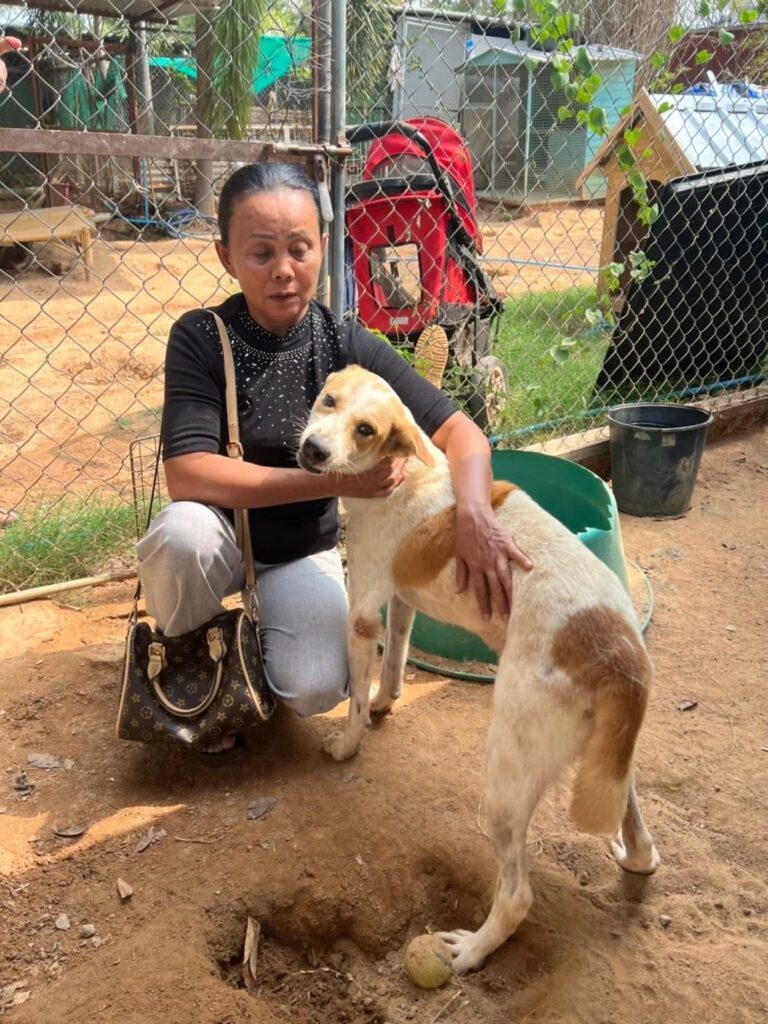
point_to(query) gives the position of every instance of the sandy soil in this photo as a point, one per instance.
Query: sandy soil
(545, 248)
(81, 362)
(357, 858)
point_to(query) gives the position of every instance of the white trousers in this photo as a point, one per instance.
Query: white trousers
(189, 561)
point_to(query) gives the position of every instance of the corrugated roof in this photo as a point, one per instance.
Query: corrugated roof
(717, 130)
(144, 10)
(491, 50)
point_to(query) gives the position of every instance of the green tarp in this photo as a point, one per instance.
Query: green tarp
(278, 56)
(98, 105)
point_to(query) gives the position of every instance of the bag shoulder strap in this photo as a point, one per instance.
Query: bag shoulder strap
(234, 448)
(235, 451)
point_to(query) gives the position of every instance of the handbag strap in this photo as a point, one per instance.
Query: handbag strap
(235, 451)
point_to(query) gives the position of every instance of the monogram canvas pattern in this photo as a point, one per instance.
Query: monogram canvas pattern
(188, 679)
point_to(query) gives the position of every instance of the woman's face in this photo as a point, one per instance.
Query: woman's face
(275, 250)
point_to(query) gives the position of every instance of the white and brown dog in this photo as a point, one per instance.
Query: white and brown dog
(573, 675)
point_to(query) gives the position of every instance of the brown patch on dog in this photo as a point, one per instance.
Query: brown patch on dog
(425, 550)
(369, 628)
(405, 439)
(599, 650)
(499, 492)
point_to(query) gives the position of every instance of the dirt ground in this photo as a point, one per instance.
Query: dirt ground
(81, 361)
(357, 858)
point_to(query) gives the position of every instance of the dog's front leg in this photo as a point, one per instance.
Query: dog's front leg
(362, 632)
(400, 618)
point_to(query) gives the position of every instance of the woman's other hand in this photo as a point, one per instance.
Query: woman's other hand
(484, 549)
(484, 556)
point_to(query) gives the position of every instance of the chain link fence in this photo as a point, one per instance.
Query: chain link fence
(576, 194)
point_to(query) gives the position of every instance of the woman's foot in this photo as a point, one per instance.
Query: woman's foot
(220, 752)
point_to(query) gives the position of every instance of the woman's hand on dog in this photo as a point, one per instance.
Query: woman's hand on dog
(484, 553)
(379, 482)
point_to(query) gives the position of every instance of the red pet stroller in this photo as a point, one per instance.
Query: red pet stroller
(413, 247)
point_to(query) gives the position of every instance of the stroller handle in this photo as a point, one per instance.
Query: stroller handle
(378, 129)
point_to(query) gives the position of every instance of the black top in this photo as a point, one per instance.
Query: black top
(278, 380)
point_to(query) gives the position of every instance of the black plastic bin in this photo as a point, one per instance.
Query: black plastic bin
(655, 454)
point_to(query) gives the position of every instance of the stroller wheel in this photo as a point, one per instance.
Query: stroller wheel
(488, 393)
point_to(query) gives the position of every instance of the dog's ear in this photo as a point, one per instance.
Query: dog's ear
(405, 439)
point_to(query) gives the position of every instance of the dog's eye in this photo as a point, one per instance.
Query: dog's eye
(329, 400)
(365, 429)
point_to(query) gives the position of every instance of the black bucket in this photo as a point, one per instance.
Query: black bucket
(655, 454)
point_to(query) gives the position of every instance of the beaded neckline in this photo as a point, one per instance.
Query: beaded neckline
(255, 333)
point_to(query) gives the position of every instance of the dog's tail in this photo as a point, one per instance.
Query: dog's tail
(610, 658)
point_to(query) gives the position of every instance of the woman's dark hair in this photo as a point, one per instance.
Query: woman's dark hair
(255, 178)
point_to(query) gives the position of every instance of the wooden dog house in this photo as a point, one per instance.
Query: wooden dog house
(664, 159)
(710, 127)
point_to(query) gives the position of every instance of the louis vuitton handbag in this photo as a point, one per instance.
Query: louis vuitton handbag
(210, 682)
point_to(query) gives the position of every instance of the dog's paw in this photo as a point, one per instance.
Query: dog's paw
(341, 748)
(641, 862)
(383, 703)
(463, 947)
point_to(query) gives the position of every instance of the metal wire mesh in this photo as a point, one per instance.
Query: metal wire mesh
(615, 202)
(589, 225)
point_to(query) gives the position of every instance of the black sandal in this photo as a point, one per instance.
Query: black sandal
(219, 758)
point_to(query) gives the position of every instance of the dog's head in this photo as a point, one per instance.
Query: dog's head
(357, 421)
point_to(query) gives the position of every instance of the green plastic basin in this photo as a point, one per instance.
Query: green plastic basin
(569, 492)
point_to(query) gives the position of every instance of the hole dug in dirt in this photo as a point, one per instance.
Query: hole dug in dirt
(318, 974)
(322, 960)
(337, 958)
(305, 986)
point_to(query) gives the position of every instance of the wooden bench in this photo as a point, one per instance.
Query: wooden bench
(72, 223)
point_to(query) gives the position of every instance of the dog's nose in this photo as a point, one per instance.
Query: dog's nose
(315, 451)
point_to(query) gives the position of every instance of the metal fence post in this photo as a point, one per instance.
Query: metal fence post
(321, 88)
(338, 119)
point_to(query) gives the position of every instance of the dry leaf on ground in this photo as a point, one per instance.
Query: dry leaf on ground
(261, 807)
(251, 954)
(43, 761)
(13, 995)
(152, 835)
(69, 831)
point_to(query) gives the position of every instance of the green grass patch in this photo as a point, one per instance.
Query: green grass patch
(64, 541)
(540, 387)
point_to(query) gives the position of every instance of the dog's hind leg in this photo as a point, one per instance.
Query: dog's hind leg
(533, 736)
(399, 622)
(633, 847)
(508, 816)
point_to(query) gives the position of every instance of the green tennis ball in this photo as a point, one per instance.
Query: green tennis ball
(428, 961)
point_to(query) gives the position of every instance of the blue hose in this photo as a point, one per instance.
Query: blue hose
(539, 263)
(178, 223)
